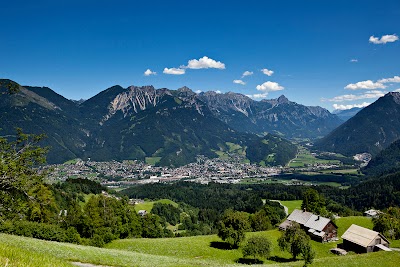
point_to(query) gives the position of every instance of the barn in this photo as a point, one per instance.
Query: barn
(363, 240)
(318, 227)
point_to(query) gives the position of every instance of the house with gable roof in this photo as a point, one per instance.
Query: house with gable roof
(318, 227)
(362, 240)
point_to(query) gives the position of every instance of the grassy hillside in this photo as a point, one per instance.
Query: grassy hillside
(190, 251)
(185, 251)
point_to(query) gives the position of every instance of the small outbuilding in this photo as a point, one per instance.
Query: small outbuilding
(372, 213)
(142, 212)
(363, 240)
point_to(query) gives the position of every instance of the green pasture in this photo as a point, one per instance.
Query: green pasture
(148, 205)
(184, 251)
(152, 160)
(292, 204)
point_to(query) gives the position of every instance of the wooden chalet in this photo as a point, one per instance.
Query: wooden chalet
(318, 227)
(363, 240)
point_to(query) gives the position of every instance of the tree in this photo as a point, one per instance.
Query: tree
(168, 211)
(43, 208)
(257, 246)
(388, 223)
(233, 226)
(313, 202)
(18, 172)
(297, 242)
(260, 221)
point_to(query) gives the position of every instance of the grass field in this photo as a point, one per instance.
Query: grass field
(72, 161)
(304, 157)
(152, 160)
(148, 205)
(185, 251)
(292, 204)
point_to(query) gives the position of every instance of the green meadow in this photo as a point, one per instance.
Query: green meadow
(304, 157)
(148, 205)
(291, 204)
(184, 251)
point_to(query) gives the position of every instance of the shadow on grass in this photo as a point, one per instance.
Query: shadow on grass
(222, 245)
(249, 261)
(280, 259)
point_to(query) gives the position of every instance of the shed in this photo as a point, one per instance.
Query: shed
(372, 213)
(142, 212)
(362, 240)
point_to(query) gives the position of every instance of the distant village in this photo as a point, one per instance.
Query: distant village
(115, 174)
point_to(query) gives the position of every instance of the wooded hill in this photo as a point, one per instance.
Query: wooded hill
(173, 126)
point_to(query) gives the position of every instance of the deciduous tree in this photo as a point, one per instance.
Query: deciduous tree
(297, 242)
(233, 226)
(257, 246)
(313, 202)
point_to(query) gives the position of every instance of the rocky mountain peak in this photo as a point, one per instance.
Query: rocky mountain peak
(395, 96)
(185, 89)
(282, 100)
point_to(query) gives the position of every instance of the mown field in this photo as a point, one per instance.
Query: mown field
(292, 204)
(304, 157)
(186, 251)
(148, 205)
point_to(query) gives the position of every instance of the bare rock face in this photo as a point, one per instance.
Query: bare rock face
(279, 115)
(134, 99)
(227, 102)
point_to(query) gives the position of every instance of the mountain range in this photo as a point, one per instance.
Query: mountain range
(371, 130)
(170, 126)
(346, 114)
(278, 116)
(385, 162)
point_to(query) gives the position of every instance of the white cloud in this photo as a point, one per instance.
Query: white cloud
(260, 95)
(267, 72)
(239, 82)
(269, 87)
(390, 38)
(353, 60)
(395, 79)
(365, 85)
(218, 92)
(148, 72)
(397, 90)
(247, 73)
(205, 63)
(174, 71)
(198, 91)
(345, 107)
(351, 97)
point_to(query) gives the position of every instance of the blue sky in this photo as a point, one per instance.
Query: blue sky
(326, 53)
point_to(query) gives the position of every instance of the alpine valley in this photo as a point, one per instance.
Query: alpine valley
(171, 126)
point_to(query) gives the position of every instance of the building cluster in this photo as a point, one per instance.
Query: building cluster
(356, 238)
(129, 172)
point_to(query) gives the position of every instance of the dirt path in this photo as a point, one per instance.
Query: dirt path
(284, 207)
